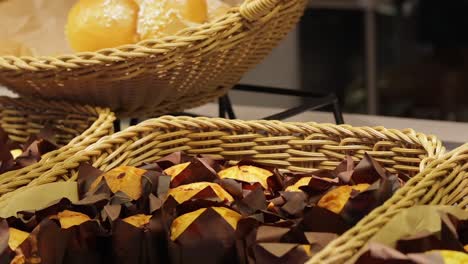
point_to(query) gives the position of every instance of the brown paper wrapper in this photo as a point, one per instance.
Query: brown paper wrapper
(84, 243)
(198, 171)
(87, 174)
(48, 243)
(259, 243)
(267, 253)
(253, 202)
(145, 245)
(209, 238)
(33, 149)
(172, 159)
(6, 254)
(362, 203)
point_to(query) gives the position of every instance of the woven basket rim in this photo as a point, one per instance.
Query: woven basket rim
(108, 150)
(431, 144)
(408, 135)
(32, 103)
(101, 126)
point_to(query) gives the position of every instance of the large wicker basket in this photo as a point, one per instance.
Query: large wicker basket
(76, 128)
(293, 146)
(159, 76)
(443, 182)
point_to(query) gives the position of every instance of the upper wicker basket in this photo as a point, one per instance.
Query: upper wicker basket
(76, 128)
(293, 146)
(159, 76)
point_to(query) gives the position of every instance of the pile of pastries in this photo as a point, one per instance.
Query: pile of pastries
(183, 209)
(98, 24)
(14, 156)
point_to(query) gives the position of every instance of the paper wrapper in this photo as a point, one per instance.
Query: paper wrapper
(28, 153)
(198, 171)
(126, 243)
(144, 245)
(421, 221)
(33, 27)
(39, 197)
(49, 243)
(209, 238)
(257, 243)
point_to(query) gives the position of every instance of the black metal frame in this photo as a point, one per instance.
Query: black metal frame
(311, 101)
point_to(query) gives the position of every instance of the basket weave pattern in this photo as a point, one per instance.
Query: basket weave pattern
(76, 126)
(293, 146)
(443, 182)
(159, 76)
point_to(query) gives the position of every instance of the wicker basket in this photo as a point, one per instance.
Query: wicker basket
(77, 127)
(160, 76)
(293, 146)
(443, 182)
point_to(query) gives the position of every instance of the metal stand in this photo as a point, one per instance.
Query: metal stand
(225, 107)
(117, 125)
(312, 101)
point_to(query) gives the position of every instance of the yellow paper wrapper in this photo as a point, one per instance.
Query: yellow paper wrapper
(410, 222)
(40, 197)
(33, 27)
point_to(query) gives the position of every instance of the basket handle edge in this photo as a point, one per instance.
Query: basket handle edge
(254, 9)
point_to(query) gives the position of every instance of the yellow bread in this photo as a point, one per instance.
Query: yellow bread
(99, 24)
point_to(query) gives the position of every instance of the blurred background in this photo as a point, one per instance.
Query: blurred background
(404, 58)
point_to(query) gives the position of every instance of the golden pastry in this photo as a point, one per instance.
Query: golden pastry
(16, 238)
(453, 257)
(185, 192)
(336, 199)
(158, 18)
(246, 173)
(68, 218)
(138, 220)
(304, 181)
(182, 222)
(176, 169)
(125, 179)
(99, 24)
